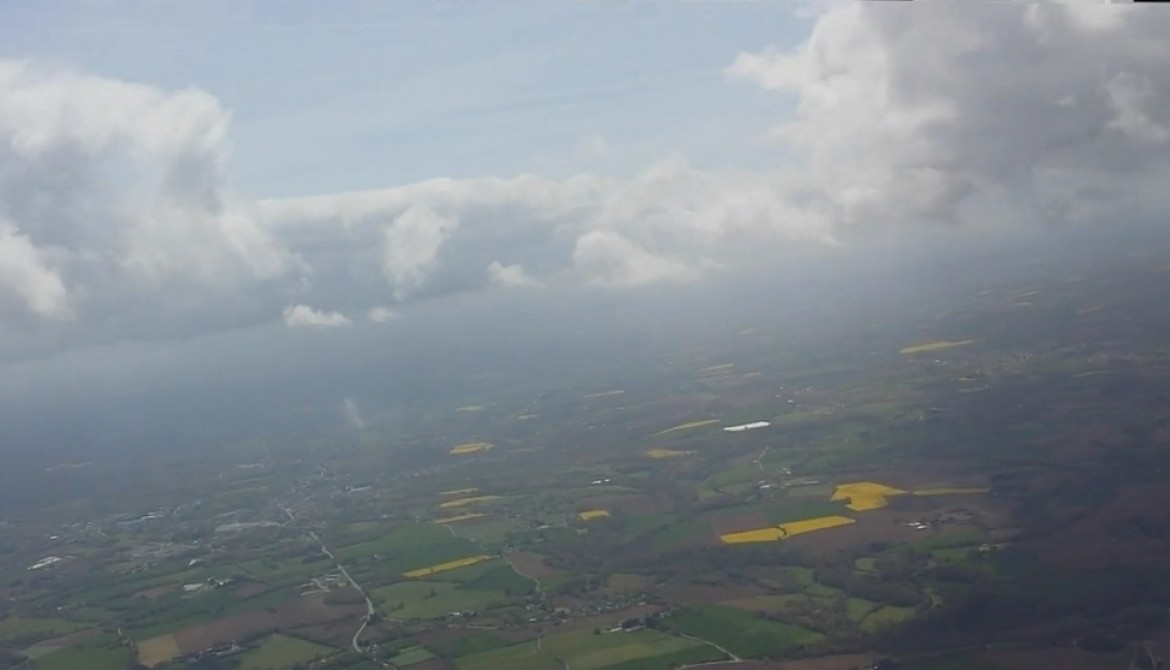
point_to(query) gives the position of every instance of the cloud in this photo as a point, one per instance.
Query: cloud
(607, 258)
(511, 275)
(594, 147)
(26, 281)
(117, 217)
(113, 192)
(354, 417)
(303, 316)
(381, 314)
(955, 112)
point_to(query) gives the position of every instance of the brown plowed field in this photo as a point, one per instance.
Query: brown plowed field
(297, 612)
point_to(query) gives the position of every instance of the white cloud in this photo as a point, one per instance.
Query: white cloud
(511, 275)
(303, 316)
(606, 258)
(115, 204)
(381, 314)
(412, 247)
(119, 194)
(27, 280)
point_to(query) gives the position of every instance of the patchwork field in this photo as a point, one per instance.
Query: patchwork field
(433, 600)
(588, 651)
(158, 650)
(278, 652)
(463, 502)
(934, 346)
(739, 631)
(524, 656)
(443, 567)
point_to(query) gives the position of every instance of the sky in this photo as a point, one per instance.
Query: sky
(174, 170)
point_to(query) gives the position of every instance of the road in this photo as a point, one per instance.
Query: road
(534, 580)
(733, 657)
(760, 460)
(370, 611)
(353, 582)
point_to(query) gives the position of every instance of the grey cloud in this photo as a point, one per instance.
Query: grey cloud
(951, 111)
(116, 216)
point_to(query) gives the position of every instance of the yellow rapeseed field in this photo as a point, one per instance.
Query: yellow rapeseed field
(811, 525)
(668, 453)
(770, 534)
(934, 346)
(593, 514)
(954, 491)
(461, 502)
(460, 517)
(685, 426)
(864, 496)
(449, 565)
(471, 447)
(786, 530)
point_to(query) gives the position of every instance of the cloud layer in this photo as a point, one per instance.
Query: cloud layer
(115, 207)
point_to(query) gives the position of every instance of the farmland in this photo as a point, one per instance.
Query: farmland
(281, 651)
(443, 567)
(433, 600)
(471, 448)
(886, 500)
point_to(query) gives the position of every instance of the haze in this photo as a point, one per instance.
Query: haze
(182, 183)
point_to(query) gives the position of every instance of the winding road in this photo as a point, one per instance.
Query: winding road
(732, 658)
(370, 611)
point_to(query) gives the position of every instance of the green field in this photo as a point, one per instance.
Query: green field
(798, 510)
(17, 628)
(699, 654)
(411, 655)
(475, 643)
(502, 578)
(411, 546)
(100, 652)
(523, 656)
(432, 600)
(955, 662)
(491, 531)
(739, 631)
(583, 650)
(885, 617)
(281, 651)
(678, 533)
(859, 608)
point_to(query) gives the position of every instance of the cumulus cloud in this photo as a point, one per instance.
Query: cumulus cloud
(604, 257)
(949, 111)
(115, 204)
(118, 191)
(412, 246)
(381, 314)
(26, 281)
(511, 275)
(303, 316)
